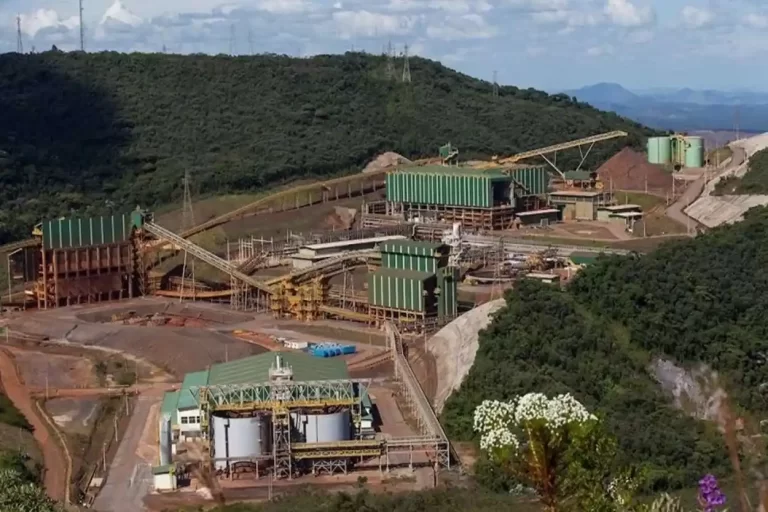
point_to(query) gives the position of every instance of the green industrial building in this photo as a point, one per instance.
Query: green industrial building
(413, 283)
(479, 199)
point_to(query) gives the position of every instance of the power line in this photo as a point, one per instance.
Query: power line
(406, 66)
(82, 28)
(19, 41)
(250, 42)
(187, 221)
(232, 39)
(390, 71)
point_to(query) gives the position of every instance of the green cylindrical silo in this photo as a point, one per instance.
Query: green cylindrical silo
(659, 150)
(694, 152)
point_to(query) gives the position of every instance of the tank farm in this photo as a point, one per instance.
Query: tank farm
(426, 237)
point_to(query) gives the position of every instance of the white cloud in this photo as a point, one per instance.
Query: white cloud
(468, 26)
(43, 19)
(640, 36)
(697, 17)
(453, 6)
(285, 6)
(119, 13)
(627, 14)
(570, 19)
(600, 50)
(539, 5)
(756, 20)
(349, 24)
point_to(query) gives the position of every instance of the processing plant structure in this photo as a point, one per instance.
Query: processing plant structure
(676, 150)
(281, 413)
(412, 276)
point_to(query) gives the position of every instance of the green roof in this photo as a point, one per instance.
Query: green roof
(170, 404)
(578, 175)
(255, 369)
(408, 274)
(583, 258)
(413, 247)
(186, 399)
(494, 174)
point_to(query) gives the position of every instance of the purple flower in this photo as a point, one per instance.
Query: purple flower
(710, 497)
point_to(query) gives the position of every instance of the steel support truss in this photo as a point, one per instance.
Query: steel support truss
(272, 396)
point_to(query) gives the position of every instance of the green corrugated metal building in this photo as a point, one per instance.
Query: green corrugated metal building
(447, 301)
(533, 181)
(73, 232)
(406, 290)
(438, 185)
(414, 255)
(170, 405)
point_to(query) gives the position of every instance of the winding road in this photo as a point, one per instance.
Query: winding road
(676, 211)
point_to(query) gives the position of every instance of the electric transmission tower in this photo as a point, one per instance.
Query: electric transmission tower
(495, 84)
(250, 42)
(82, 28)
(232, 39)
(19, 41)
(390, 72)
(406, 66)
(187, 221)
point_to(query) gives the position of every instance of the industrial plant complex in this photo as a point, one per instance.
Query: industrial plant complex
(427, 242)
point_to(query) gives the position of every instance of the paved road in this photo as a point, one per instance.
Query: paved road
(118, 495)
(676, 211)
(55, 477)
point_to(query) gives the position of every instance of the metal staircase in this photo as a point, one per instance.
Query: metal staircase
(203, 255)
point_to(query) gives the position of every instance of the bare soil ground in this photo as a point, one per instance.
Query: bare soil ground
(74, 415)
(40, 369)
(592, 230)
(629, 170)
(55, 463)
(176, 350)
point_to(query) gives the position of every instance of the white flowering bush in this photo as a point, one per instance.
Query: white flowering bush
(556, 447)
(499, 422)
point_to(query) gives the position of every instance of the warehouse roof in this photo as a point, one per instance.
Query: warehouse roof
(494, 173)
(408, 274)
(578, 175)
(255, 369)
(170, 402)
(414, 247)
(186, 399)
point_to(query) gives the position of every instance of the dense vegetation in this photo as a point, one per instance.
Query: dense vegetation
(701, 300)
(10, 415)
(92, 132)
(754, 181)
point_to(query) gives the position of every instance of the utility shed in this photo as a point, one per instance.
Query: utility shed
(578, 205)
(164, 477)
(448, 186)
(542, 217)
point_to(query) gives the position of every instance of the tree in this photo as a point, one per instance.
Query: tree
(556, 447)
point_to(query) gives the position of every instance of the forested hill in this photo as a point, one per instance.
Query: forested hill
(81, 131)
(690, 302)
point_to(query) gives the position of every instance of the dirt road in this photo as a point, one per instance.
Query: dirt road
(676, 211)
(55, 476)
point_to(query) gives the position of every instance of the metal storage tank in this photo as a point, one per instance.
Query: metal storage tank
(323, 428)
(240, 438)
(165, 440)
(659, 150)
(694, 152)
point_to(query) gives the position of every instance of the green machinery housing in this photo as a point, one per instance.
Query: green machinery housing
(479, 199)
(414, 283)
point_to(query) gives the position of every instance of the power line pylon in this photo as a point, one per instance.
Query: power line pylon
(82, 28)
(187, 221)
(406, 66)
(497, 287)
(495, 84)
(390, 72)
(19, 40)
(232, 39)
(250, 42)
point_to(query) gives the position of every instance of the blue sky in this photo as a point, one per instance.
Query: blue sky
(548, 44)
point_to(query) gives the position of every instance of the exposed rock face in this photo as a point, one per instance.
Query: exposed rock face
(695, 391)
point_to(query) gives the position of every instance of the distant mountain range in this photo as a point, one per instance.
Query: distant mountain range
(681, 109)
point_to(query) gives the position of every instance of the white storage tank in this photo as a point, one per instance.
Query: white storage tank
(241, 438)
(166, 441)
(323, 428)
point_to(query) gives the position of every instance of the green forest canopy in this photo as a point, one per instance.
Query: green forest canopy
(754, 181)
(700, 300)
(91, 132)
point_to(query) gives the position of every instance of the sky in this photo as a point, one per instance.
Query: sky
(548, 44)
